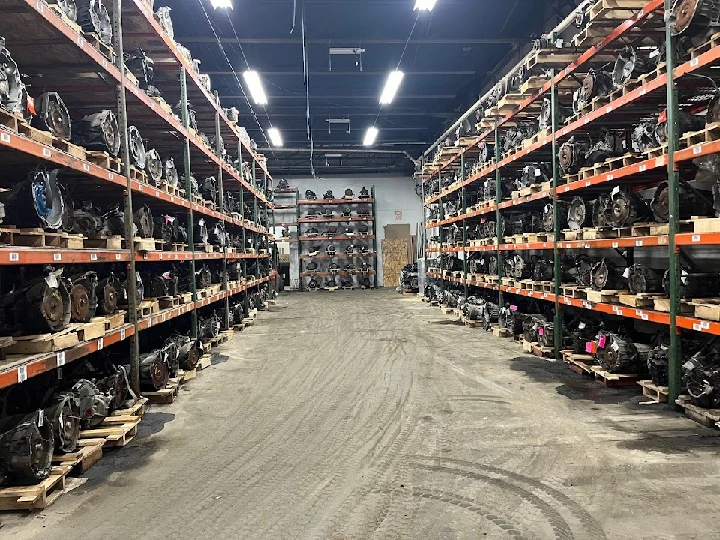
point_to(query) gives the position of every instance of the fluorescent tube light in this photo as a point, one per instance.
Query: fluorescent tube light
(425, 5)
(370, 136)
(226, 4)
(252, 79)
(275, 137)
(391, 87)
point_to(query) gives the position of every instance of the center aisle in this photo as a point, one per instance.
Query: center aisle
(355, 416)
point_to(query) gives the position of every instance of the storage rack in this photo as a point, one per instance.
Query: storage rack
(304, 223)
(59, 57)
(286, 211)
(658, 88)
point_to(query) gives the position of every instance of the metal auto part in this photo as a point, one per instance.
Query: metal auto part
(605, 275)
(154, 370)
(67, 7)
(143, 68)
(109, 291)
(595, 84)
(93, 17)
(626, 208)
(95, 405)
(170, 173)
(200, 233)
(642, 279)
(13, 94)
(65, 417)
(310, 195)
(701, 377)
(629, 65)
(87, 220)
(617, 354)
(83, 297)
(26, 448)
(42, 191)
(143, 220)
(209, 327)
(571, 156)
(138, 153)
(163, 17)
(154, 166)
(52, 115)
(98, 131)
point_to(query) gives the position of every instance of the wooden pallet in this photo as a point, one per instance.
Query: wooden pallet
(706, 417)
(89, 452)
(145, 244)
(104, 49)
(659, 394)
(167, 302)
(44, 343)
(36, 497)
(206, 359)
(543, 352)
(166, 395)
(11, 120)
(641, 301)
(612, 380)
(139, 408)
(711, 43)
(104, 160)
(99, 241)
(610, 296)
(501, 332)
(582, 364)
(706, 308)
(138, 175)
(117, 431)
(662, 304)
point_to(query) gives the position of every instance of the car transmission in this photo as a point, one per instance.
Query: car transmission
(629, 66)
(83, 297)
(606, 276)
(93, 17)
(626, 208)
(701, 377)
(154, 370)
(163, 17)
(154, 167)
(616, 354)
(13, 94)
(52, 115)
(65, 417)
(143, 68)
(143, 220)
(642, 279)
(66, 7)
(578, 216)
(595, 84)
(26, 448)
(98, 131)
(138, 155)
(571, 156)
(41, 192)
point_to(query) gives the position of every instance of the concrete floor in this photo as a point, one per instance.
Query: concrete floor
(369, 415)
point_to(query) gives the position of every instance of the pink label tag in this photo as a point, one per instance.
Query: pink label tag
(541, 331)
(513, 308)
(589, 347)
(601, 341)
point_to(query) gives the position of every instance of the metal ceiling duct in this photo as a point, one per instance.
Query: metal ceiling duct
(99, 131)
(154, 166)
(93, 17)
(154, 370)
(163, 17)
(83, 296)
(143, 220)
(52, 115)
(642, 279)
(26, 448)
(65, 417)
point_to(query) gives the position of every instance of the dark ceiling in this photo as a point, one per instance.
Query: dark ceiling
(446, 63)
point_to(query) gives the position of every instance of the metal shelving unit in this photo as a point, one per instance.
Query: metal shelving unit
(88, 81)
(370, 237)
(653, 91)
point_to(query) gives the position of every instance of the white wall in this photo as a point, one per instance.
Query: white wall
(392, 194)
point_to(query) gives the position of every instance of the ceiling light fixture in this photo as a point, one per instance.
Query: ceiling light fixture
(391, 87)
(225, 4)
(425, 5)
(252, 79)
(275, 137)
(370, 136)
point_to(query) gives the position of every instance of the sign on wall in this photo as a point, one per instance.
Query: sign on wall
(398, 215)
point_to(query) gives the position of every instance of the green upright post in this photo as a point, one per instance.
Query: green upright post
(188, 191)
(464, 222)
(441, 235)
(374, 230)
(127, 196)
(498, 217)
(221, 206)
(674, 353)
(558, 330)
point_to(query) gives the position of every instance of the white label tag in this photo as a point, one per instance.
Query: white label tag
(694, 62)
(111, 176)
(626, 273)
(4, 137)
(93, 257)
(615, 190)
(57, 256)
(695, 237)
(697, 150)
(100, 343)
(697, 327)
(60, 358)
(118, 256)
(14, 257)
(122, 334)
(22, 373)
(615, 245)
(638, 243)
(642, 168)
(41, 418)
(86, 167)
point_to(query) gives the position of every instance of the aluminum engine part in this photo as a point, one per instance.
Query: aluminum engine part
(93, 17)
(163, 17)
(190, 351)
(601, 211)
(154, 166)
(577, 214)
(531, 324)
(52, 115)
(511, 319)
(571, 156)
(548, 217)
(209, 189)
(109, 291)
(154, 370)
(611, 144)
(87, 220)
(42, 306)
(143, 68)
(691, 202)
(694, 284)
(26, 448)
(200, 232)
(13, 94)
(629, 65)
(618, 354)
(98, 131)
(516, 267)
(605, 275)
(143, 220)
(41, 192)
(83, 297)
(217, 235)
(626, 208)
(643, 137)
(686, 123)
(543, 270)
(170, 174)
(642, 279)
(203, 277)
(701, 377)
(545, 118)
(695, 19)
(138, 154)
(657, 364)
(209, 327)
(595, 84)
(95, 405)
(65, 417)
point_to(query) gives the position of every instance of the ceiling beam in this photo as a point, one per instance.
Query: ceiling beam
(346, 73)
(337, 113)
(335, 41)
(347, 96)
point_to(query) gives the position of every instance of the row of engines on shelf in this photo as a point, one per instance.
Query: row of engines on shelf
(692, 23)
(333, 267)
(616, 346)
(621, 207)
(47, 300)
(45, 415)
(43, 201)
(332, 251)
(345, 211)
(331, 230)
(409, 278)
(346, 282)
(328, 195)
(600, 274)
(100, 131)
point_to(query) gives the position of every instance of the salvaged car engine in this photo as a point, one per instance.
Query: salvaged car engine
(52, 115)
(701, 376)
(13, 94)
(616, 354)
(36, 202)
(83, 296)
(26, 448)
(642, 279)
(578, 216)
(409, 277)
(42, 305)
(606, 276)
(98, 131)
(595, 84)
(93, 16)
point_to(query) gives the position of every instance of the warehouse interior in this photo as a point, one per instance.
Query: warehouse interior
(359, 269)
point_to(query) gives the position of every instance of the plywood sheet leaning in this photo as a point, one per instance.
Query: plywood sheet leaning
(395, 257)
